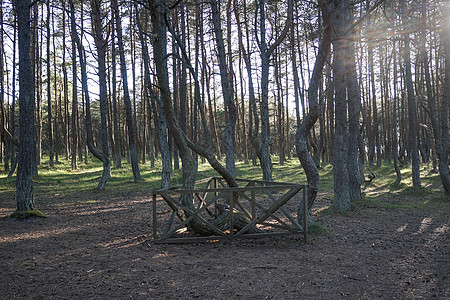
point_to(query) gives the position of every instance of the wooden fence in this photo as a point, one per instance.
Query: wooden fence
(268, 208)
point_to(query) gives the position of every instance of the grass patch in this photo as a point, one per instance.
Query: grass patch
(333, 211)
(316, 229)
(414, 191)
(61, 181)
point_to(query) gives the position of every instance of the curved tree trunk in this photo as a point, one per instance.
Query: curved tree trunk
(205, 150)
(266, 52)
(104, 159)
(301, 138)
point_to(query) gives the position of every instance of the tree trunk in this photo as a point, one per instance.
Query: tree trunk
(12, 119)
(101, 45)
(301, 141)
(158, 117)
(227, 91)
(117, 141)
(266, 52)
(445, 106)
(341, 18)
(412, 107)
(74, 120)
(126, 96)
(354, 109)
(49, 96)
(89, 139)
(157, 8)
(206, 150)
(253, 115)
(394, 121)
(24, 183)
(266, 161)
(65, 88)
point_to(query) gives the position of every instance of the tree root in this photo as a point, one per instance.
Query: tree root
(222, 222)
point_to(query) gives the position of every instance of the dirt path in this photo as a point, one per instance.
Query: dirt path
(96, 246)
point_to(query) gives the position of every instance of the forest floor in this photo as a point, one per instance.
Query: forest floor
(97, 245)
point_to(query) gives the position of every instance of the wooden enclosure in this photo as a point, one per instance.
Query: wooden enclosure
(262, 209)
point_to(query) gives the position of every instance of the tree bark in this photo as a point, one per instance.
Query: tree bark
(354, 109)
(74, 119)
(24, 183)
(101, 45)
(301, 138)
(89, 138)
(49, 96)
(157, 10)
(126, 96)
(158, 117)
(116, 126)
(412, 107)
(445, 106)
(394, 121)
(341, 17)
(227, 91)
(266, 52)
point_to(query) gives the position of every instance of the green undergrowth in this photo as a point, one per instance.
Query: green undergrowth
(61, 180)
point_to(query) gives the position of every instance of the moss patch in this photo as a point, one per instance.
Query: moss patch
(27, 214)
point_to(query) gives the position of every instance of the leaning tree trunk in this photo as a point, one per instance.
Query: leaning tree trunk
(227, 92)
(206, 149)
(126, 96)
(157, 8)
(301, 140)
(89, 137)
(182, 142)
(158, 117)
